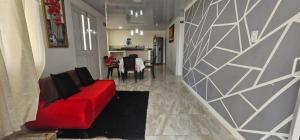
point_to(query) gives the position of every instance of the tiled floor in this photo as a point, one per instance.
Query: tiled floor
(173, 113)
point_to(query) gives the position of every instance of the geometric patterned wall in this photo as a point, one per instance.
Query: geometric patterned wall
(248, 83)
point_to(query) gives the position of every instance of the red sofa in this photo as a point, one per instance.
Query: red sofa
(78, 111)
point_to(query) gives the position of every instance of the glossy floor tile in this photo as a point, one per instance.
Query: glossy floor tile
(174, 113)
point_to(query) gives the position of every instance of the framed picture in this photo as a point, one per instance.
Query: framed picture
(55, 23)
(171, 34)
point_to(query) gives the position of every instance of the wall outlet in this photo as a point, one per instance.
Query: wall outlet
(254, 36)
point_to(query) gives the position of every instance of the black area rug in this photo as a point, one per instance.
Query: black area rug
(124, 117)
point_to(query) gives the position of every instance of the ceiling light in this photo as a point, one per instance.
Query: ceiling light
(141, 32)
(120, 27)
(131, 32)
(136, 30)
(141, 12)
(131, 12)
(136, 14)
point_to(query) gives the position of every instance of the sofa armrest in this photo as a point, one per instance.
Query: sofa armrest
(64, 113)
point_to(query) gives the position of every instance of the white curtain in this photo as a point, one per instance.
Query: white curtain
(37, 34)
(22, 60)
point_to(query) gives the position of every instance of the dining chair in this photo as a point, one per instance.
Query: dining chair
(133, 55)
(111, 64)
(149, 64)
(129, 65)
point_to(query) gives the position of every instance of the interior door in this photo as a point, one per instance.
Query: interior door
(158, 44)
(93, 53)
(86, 44)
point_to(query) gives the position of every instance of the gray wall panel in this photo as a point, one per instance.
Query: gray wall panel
(239, 109)
(254, 78)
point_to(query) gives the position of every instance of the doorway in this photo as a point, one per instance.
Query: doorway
(86, 43)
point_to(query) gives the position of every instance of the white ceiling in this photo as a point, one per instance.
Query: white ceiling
(99, 5)
(157, 13)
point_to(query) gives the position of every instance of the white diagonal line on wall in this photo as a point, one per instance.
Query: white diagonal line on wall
(263, 132)
(240, 39)
(227, 50)
(199, 81)
(199, 4)
(261, 38)
(219, 42)
(206, 89)
(199, 44)
(253, 6)
(237, 19)
(200, 52)
(255, 87)
(193, 75)
(203, 19)
(276, 128)
(281, 138)
(212, 3)
(244, 17)
(192, 24)
(270, 100)
(223, 24)
(273, 51)
(247, 30)
(246, 50)
(185, 74)
(269, 19)
(229, 114)
(200, 72)
(244, 66)
(185, 68)
(209, 64)
(249, 71)
(210, 26)
(215, 86)
(186, 32)
(272, 32)
(249, 103)
(247, 5)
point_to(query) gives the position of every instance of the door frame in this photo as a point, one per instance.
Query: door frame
(79, 10)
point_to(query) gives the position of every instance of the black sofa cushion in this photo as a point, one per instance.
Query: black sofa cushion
(84, 76)
(64, 84)
(48, 90)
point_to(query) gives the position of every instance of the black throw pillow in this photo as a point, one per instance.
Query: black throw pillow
(84, 76)
(64, 84)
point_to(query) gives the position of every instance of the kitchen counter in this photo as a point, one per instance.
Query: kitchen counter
(142, 53)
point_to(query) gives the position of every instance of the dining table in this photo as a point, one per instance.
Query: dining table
(139, 65)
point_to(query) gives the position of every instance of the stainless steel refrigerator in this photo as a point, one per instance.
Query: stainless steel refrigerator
(158, 43)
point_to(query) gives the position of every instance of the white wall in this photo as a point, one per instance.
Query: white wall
(174, 50)
(63, 59)
(118, 37)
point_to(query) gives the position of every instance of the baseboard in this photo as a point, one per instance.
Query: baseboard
(216, 114)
